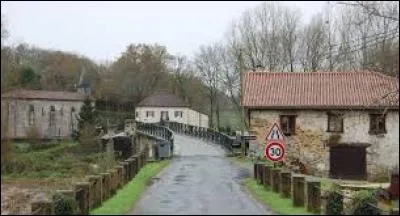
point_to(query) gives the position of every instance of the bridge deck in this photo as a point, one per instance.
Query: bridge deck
(199, 180)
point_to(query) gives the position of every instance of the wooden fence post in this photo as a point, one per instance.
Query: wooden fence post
(129, 169)
(264, 177)
(106, 185)
(276, 179)
(113, 181)
(255, 166)
(124, 179)
(97, 190)
(286, 184)
(314, 196)
(119, 176)
(259, 173)
(42, 207)
(298, 190)
(267, 176)
(82, 197)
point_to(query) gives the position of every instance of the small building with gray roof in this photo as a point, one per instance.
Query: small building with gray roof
(162, 105)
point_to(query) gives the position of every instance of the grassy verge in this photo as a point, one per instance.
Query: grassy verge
(242, 160)
(126, 198)
(248, 161)
(273, 200)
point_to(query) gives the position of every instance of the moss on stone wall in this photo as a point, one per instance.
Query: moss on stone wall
(306, 147)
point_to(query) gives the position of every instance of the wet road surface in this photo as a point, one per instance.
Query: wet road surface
(200, 180)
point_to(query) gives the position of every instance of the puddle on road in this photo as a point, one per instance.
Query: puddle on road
(172, 192)
(242, 174)
(179, 178)
(166, 201)
(152, 181)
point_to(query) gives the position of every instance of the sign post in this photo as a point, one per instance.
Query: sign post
(275, 148)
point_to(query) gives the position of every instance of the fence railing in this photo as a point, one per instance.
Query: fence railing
(156, 130)
(166, 132)
(207, 134)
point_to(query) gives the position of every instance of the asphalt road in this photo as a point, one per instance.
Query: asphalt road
(200, 180)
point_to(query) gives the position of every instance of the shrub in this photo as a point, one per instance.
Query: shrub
(6, 150)
(364, 203)
(88, 139)
(334, 201)
(46, 145)
(33, 136)
(381, 175)
(64, 205)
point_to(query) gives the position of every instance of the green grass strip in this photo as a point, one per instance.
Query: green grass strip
(126, 197)
(273, 200)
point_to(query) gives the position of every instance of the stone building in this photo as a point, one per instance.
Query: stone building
(164, 105)
(341, 124)
(52, 114)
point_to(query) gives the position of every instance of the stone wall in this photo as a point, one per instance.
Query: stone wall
(310, 141)
(19, 120)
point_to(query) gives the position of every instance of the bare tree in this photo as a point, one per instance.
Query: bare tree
(313, 44)
(391, 11)
(208, 64)
(4, 31)
(289, 36)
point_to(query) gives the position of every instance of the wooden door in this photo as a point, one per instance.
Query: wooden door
(348, 162)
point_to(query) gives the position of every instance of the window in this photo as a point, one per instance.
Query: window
(31, 115)
(42, 111)
(377, 123)
(149, 113)
(137, 114)
(288, 124)
(61, 111)
(165, 115)
(178, 114)
(72, 119)
(335, 122)
(52, 119)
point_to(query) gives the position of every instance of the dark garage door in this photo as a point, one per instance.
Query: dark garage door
(347, 162)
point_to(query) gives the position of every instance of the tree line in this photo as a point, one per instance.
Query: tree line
(345, 36)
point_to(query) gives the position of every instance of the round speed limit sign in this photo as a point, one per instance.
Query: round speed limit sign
(275, 151)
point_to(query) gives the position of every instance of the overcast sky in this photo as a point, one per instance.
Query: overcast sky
(102, 30)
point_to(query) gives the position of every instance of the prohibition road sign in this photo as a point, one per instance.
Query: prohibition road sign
(275, 150)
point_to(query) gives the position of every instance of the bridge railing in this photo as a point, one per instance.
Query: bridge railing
(166, 132)
(156, 130)
(207, 134)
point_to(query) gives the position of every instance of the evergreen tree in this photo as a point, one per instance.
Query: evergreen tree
(29, 78)
(87, 116)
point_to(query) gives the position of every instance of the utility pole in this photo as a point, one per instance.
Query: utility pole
(364, 42)
(243, 116)
(329, 37)
(241, 68)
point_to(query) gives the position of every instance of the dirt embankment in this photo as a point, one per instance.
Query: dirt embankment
(17, 195)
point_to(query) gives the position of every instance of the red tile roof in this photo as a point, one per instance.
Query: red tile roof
(319, 90)
(44, 95)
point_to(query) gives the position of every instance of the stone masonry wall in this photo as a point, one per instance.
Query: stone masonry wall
(19, 121)
(309, 143)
